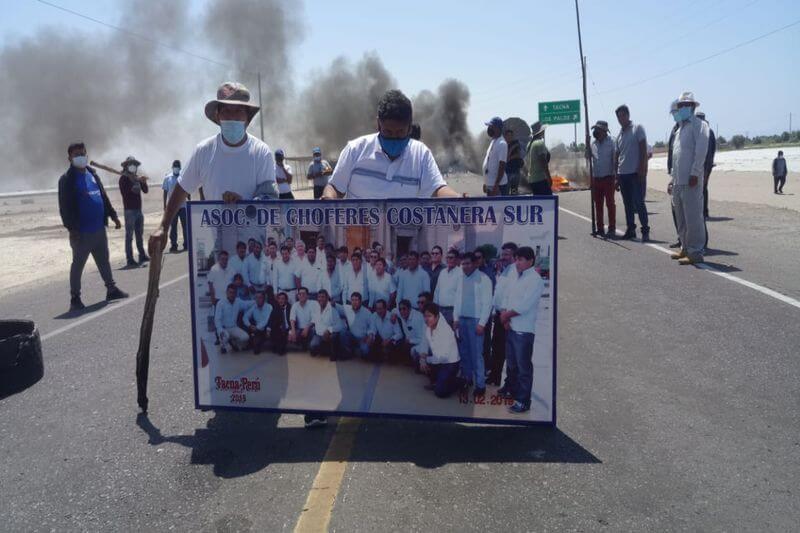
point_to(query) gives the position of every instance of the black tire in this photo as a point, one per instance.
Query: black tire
(21, 363)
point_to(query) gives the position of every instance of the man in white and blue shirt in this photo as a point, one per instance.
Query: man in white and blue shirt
(301, 319)
(388, 164)
(381, 285)
(519, 310)
(355, 280)
(311, 275)
(256, 320)
(412, 329)
(254, 266)
(284, 272)
(237, 262)
(170, 181)
(226, 316)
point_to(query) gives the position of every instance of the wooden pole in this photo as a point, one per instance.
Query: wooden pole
(586, 117)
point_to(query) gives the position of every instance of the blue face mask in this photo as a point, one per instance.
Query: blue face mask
(683, 113)
(233, 131)
(393, 147)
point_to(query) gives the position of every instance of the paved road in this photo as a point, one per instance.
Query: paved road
(677, 410)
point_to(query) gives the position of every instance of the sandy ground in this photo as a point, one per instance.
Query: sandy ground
(35, 244)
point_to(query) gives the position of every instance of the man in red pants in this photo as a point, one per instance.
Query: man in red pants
(603, 185)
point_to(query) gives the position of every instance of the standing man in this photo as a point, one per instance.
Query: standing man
(688, 167)
(538, 161)
(230, 166)
(473, 307)
(381, 285)
(413, 280)
(437, 265)
(131, 187)
(602, 153)
(170, 181)
(331, 280)
(85, 209)
(387, 164)
(283, 176)
(283, 274)
(779, 172)
(355, 280)
(327, 327)
(445, 294)
(310, 275)
(219, 277)
(504, 267)
(494, 162)
(255, 271)
(318, 171)
(355, 338)
(708, 166)
(673, 110)
(519, 312)
(301, 319)
(514, 162)
(631, 169)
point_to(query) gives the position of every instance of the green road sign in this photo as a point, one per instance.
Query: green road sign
(563, 112)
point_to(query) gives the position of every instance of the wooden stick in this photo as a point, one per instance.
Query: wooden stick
(111, 170)
(146, 330)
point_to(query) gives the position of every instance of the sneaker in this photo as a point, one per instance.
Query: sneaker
(115, 294)
(312, 421)
(676, 244)
(518, 408)
(678, 255)
(75, 304)
(143, 259)
(132, 263)
(690, 260)
(629, 234)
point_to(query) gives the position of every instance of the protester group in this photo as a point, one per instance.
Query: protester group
(392, 162)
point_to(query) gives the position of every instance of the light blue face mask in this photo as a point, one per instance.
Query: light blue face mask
(233, 131)
(393, 147)
(683, 113)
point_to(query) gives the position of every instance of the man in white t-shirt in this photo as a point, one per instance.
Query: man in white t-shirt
(494, 164)
(283, 176)
(229, 166)
(387, 164)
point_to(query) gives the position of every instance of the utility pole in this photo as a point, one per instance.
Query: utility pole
(261, 113)
(586, 117)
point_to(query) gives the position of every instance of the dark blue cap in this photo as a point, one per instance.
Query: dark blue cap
(497, 122)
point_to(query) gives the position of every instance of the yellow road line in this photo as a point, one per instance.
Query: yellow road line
(316, 514)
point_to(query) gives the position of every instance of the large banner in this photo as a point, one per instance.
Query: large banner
(428, 309)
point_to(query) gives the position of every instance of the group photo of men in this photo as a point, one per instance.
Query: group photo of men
(461, 319)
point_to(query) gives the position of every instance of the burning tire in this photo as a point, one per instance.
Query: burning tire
(21, 363)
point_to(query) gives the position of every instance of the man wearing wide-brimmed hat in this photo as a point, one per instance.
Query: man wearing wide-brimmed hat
(538, 161)
(230, 166)
(602, 152)
(688, 169)
(131, 187)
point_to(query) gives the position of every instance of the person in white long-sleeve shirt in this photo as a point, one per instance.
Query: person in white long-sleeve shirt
(254, 266)
(268, 265)
(356, 338)
(445, 294)
(300, 318)
(226, 316)
(310, 275)
(472, 308)
(442, 362)
(519, 312)
(355, 280)
(256, 320)
(284, 275)
(219, 277)
(381, 285)
(237, 262)
(688, 172)
(327, 328)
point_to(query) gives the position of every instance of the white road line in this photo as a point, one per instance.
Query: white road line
(730, 277)
(108, 309)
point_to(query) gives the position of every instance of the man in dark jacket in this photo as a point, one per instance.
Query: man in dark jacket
(708, 166)
(85, 210)
(131, 187)
(279, 324)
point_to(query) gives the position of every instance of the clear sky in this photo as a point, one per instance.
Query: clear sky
(516, 53)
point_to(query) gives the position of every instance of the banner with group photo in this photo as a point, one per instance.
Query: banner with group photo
(394, 308)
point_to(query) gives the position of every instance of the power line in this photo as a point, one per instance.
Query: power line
(138, 35)
(697, 61)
